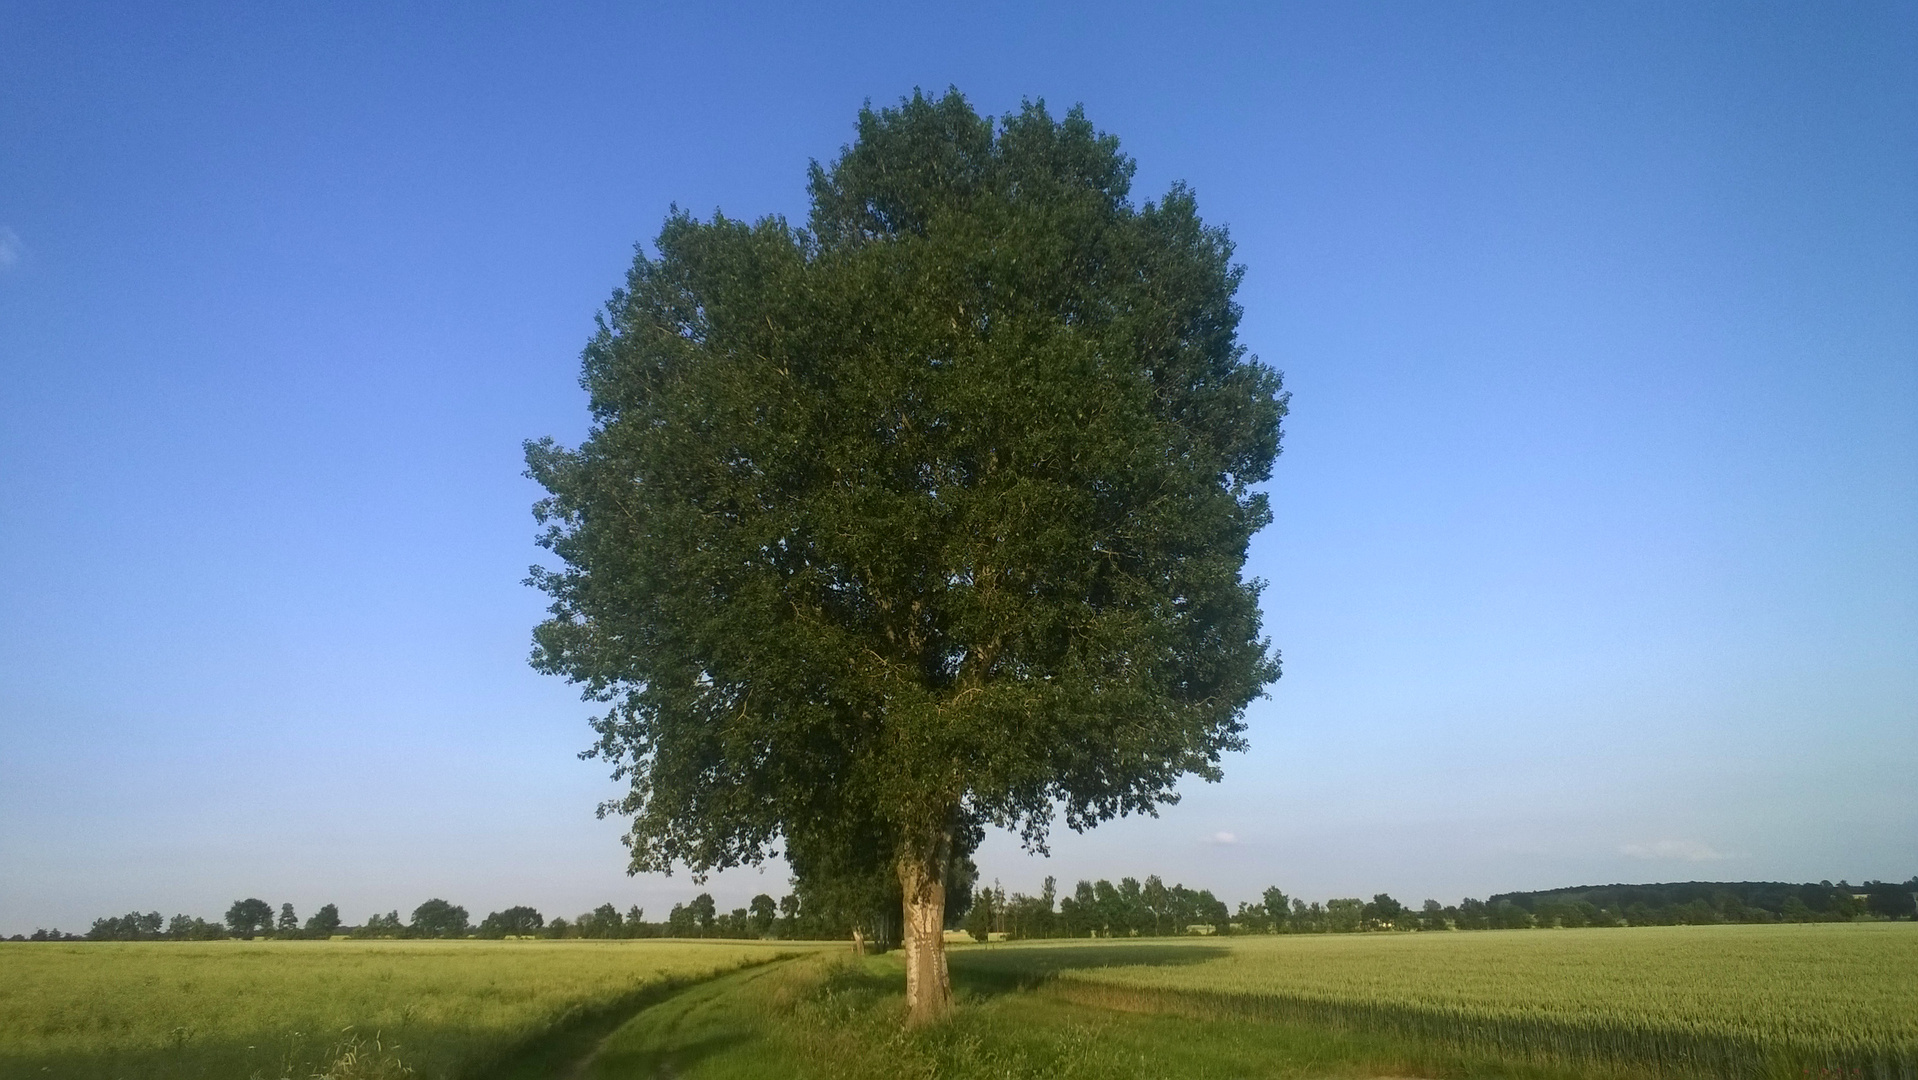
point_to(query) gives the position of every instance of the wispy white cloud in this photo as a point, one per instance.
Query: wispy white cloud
(1686, 850)
(1222, 838)
(10, 248)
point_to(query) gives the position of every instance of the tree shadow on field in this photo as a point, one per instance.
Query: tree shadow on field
(994, 970)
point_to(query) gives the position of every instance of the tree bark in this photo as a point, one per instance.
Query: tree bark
(859, 941)
(928, 988)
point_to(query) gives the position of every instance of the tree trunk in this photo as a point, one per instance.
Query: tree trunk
(859, 941)
(928, 989)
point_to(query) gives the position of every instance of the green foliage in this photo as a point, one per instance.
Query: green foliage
(1342, 916)
(1702, 902)
(763, 914)
(1278, 908)
(324, 922)
(438, 919)
(250, 917)
(1385, 913)
(193, 928)
(986, 915)
(382, 926)
(132, 926)
(603, 921)
(926, 517)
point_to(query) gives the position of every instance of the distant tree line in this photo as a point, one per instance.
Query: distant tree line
(250, 918)
(1151, 908)
(1130, 908)
(793, 916)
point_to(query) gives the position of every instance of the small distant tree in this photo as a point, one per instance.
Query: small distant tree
(984, 915)
(763, 914)
(1844, 904)
(249, 918)
(602, 922)
(1157, 903)
(635, 921)
(1345, 915)
(519, 921)
(1033, 916)
(1278, 908)
(1076, 912)
(1212, 910)
(1509, 916)
(438, 919)
(1383, 912)
(324, 922)
(194, 928)
(1433, 916)
(680, 923)
(516, 921)
(705, 913)
(289, 923)
(381, 926)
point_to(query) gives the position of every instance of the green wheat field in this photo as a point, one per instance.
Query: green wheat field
(1821, 1001)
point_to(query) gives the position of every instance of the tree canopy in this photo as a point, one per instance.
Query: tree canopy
(438, 918)
(249, 917)
(928, 516)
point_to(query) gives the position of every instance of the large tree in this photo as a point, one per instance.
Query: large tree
(249, 917)
(926, 517)
(436, 918)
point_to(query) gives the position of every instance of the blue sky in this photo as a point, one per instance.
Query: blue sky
(1597, 545)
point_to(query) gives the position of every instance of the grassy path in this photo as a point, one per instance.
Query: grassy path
(570, 1050)
(1766, 1003)
(832, 1017)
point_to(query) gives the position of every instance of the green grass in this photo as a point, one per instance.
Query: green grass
(1770, 1001)
(157, 1011)
(1713, 1000)
(831, 1017)
(1832, 1002)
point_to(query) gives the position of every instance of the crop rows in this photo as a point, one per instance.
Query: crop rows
(1751, 1003)
(165, 1010)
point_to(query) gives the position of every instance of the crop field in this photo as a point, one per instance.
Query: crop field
(1826, 1001)
(1778, 1002)
(1710, 1000)
(283, 1009)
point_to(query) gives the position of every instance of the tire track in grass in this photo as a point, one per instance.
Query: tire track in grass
(567, 1048)
(683, 1004)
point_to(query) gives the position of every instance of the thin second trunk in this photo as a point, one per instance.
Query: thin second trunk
(928, 988)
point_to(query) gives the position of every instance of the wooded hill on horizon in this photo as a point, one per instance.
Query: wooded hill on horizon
(1891, 899)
